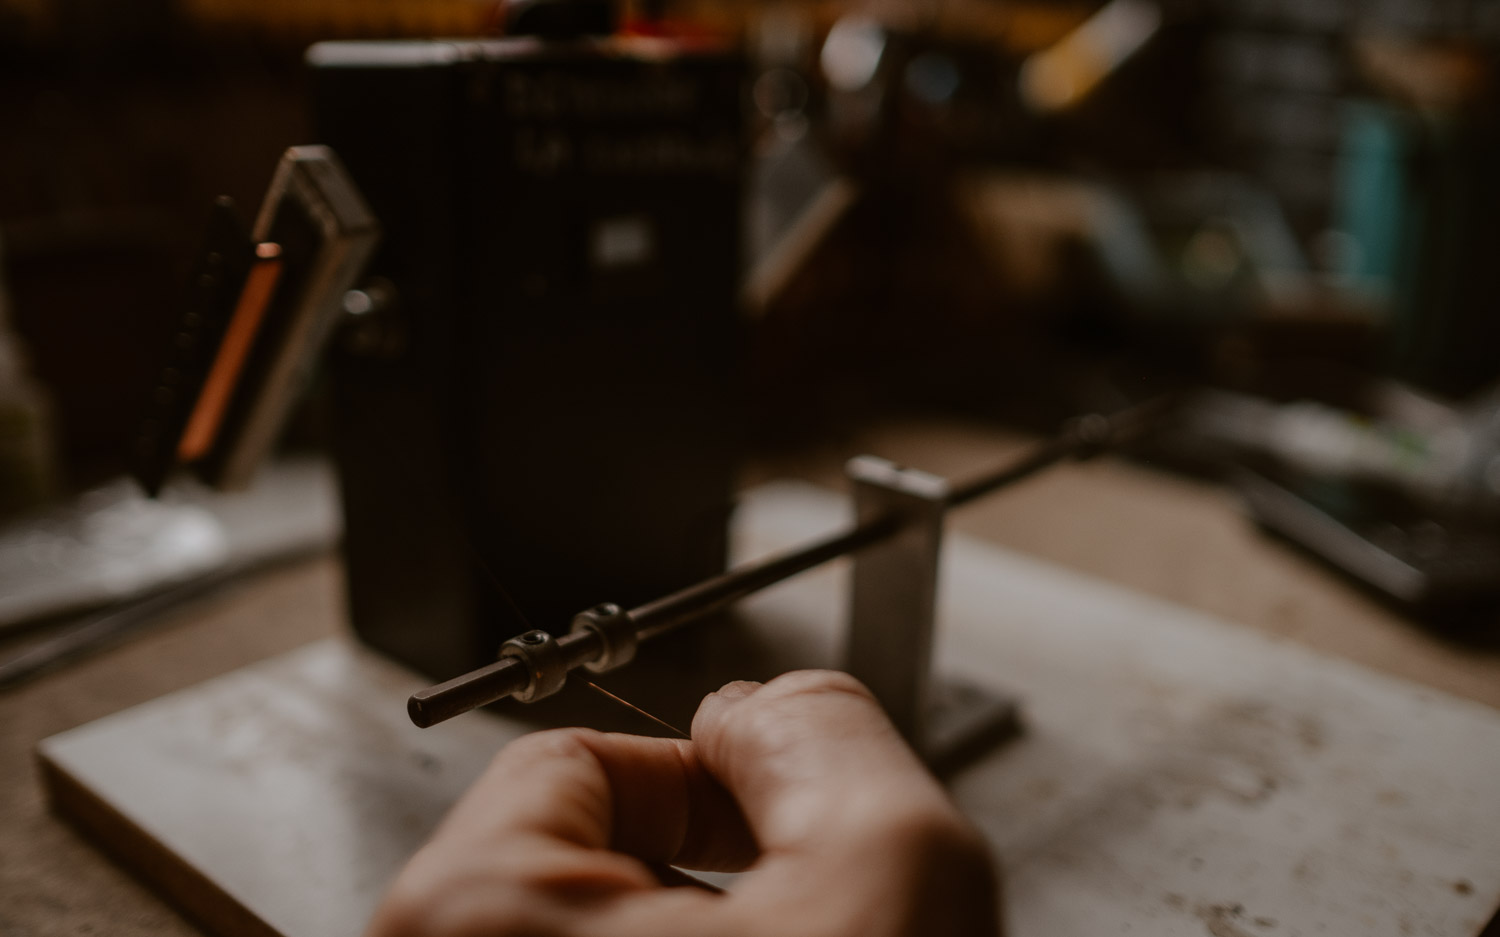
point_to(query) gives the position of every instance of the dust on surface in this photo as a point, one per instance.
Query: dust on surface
(1223, 920)
(1310, 733)
(1392, 798)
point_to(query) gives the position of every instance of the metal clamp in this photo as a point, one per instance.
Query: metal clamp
(616, 631)
(546, 664)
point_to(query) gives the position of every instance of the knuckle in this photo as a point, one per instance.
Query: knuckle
(801, 682)
(787, 710)
(753, 726)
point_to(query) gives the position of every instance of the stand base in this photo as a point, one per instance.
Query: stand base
(964, 721)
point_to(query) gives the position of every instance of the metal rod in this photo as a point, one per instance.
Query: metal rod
(1082, 438)
(653, 619)
(669, 612)
(491, 683)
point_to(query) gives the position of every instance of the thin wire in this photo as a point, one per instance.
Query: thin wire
(634, 708)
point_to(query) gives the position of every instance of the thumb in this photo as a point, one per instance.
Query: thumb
(812, 759)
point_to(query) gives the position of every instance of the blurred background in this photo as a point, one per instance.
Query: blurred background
(1013, 210)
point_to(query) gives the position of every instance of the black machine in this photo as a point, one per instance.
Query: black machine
(547, 422)
(533, 385)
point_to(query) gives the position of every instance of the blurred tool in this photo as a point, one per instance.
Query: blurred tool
(259, 310)
(1435, 565)
(135, 557)
(111, 545)
(1404, 500)
(1445, 458)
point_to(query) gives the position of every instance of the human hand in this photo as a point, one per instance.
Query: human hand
(802, 781)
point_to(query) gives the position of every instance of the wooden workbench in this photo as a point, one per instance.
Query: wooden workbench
(1156, 534)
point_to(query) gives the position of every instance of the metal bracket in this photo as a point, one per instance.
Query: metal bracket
(893, 615)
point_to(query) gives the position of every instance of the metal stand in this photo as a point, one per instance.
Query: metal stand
(893, 615)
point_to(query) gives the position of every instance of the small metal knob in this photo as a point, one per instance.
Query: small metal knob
(616, 632)
(546, 664)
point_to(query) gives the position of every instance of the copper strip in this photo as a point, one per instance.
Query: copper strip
(208, 414)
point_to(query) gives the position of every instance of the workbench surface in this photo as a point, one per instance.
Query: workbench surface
(1156, 534)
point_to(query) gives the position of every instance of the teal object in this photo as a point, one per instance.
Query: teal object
(1418, 195)
(1375, 205)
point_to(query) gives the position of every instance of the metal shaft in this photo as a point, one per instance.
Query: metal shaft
(490, 683)
(1082, 438)
(653, 619)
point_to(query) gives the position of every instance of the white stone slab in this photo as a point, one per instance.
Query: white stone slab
(293, 789)
(1179, 776)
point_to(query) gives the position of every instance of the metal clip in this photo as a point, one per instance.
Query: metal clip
(546, 664)
(616, 631)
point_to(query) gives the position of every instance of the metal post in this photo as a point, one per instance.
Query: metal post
(893, 618)
(893, 608)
